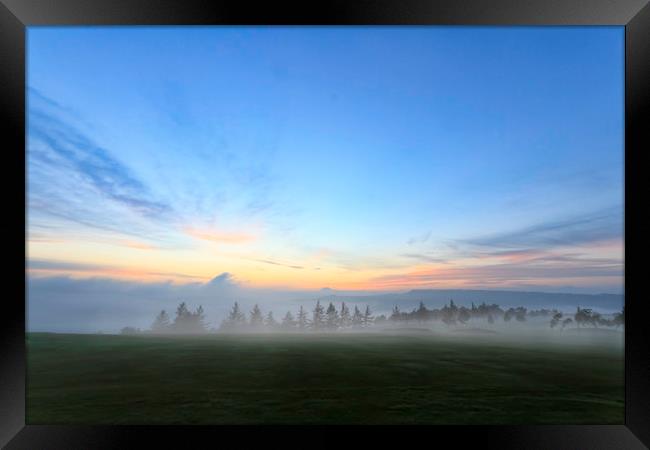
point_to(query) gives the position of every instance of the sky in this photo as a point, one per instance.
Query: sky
(298, 158)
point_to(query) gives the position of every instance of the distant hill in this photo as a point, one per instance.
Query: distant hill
(435, 298)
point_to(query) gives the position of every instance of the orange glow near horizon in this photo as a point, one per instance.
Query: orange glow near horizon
(503, 270)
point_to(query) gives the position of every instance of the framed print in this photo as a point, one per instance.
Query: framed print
(266, 219)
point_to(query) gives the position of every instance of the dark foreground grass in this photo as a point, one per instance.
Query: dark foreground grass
(368, 379)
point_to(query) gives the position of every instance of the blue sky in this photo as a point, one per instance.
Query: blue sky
(370, 158)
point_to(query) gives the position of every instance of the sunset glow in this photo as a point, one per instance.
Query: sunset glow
(375, 160)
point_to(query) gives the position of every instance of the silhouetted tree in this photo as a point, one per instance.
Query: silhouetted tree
(463, 314)
(448, 314)
(161, 323)
(270, 321)
(302, 320)
(396, 315)
(288, 322)
(520, 314)
(199, 320)
(331, 317)
(598, 319)
(318, 317)
(256, 320)
(235, 320)
(236, 315)
(566, 322)
(619, 318)
(582, 316)
(187, 321)
(182, 311)
(556, 319)
(594, 319)
(183, 320)
(367, 317)
(541, 312)
(346, 319)
(357, 318)
(422, 313)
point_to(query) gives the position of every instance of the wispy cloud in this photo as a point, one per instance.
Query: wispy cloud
(44, 264)
(49, 267)
(425, 257)
(111, 178)
(420, 239)
(581, 248)
(275, 263)
(548, 268)
(71, 179)
(605, 224)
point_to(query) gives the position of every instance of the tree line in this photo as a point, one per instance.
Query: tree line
(320, 319)
(331, 318)
(185, 322)
(588, 317)
(452, 314)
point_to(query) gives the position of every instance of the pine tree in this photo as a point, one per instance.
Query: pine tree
(303, 322)
(332, 317)
(270, 322)
(183, 319)
(256, 320)
(520, 314)
(345, 320)
(448, 313)
(235, 320)
(357, 318)
(318, 318)
(235, 313)
(619, 318)
(463, 314)
(288, 322)
(182, 311)
(422, 313)
(381, 319)
(556, 319)
(396, 315)
(186, 321)
(199, 320)
(367, 317)
(161, 323)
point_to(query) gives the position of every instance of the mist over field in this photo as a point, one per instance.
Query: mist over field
(65, 304)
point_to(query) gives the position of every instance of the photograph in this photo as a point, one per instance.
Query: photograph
(325, 225)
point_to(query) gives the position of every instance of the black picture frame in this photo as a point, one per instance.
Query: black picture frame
(15, 15)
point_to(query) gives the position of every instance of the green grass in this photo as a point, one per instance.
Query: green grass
(326, 379)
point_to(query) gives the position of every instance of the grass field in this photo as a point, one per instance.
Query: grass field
(319, 379)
